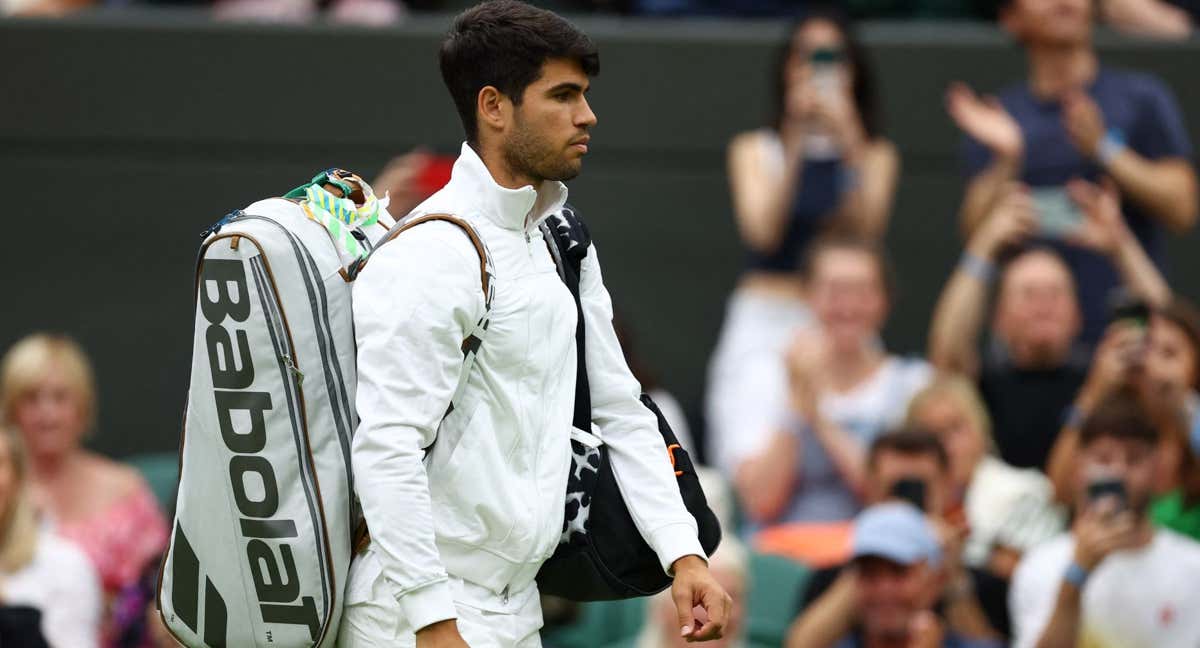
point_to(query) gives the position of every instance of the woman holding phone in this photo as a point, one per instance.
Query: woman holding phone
(821, 165)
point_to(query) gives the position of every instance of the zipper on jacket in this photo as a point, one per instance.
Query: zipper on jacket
(504, 595)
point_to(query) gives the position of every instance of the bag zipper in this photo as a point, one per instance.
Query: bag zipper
(292, 363)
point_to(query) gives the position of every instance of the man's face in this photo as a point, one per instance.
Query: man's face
(1037, 314)
(891, 595)
(1054, 23)
(890, 467)
(1132, 461)
(1170, 364)
(548, 135)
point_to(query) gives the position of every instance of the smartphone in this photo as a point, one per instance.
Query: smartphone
(1057, 214)
(826, 65)
(1099, 489)
(911, 490)
(1124, 307)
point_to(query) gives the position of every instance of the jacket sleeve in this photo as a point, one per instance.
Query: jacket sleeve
(414, 303)
(639, 459)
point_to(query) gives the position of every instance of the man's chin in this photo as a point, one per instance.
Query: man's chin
(567, 172)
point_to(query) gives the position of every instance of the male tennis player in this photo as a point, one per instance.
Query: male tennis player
(458, 536)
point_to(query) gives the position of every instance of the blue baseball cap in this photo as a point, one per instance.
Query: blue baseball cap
(896, 531)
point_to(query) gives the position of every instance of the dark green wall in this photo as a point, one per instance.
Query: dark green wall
(123, 136)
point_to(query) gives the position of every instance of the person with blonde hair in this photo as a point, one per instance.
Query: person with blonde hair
(48, 395)
(48, 589)
(1007, 510)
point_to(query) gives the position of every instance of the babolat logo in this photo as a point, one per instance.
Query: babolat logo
(225, 302)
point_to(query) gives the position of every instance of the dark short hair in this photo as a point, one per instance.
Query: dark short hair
(1124, 414)
(504, 44)
(910, 440)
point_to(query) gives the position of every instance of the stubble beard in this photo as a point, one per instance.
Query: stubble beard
(531, 155)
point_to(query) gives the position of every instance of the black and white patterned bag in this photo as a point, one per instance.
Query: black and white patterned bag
(601, 555)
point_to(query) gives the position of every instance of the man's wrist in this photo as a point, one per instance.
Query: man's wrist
(1125, 244)
(978, 266)
(441, 628)
(687, 563)
(1074, 416)
(1110, 146)
(1076, 575)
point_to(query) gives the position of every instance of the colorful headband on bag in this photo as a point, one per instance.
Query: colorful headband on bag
(340, 216)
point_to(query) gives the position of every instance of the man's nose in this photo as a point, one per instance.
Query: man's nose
(586, 118)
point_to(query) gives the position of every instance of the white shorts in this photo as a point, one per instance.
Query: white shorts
(747, 376)
(373, 618)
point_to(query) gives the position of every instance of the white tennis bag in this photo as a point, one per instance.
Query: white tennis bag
(265, 509)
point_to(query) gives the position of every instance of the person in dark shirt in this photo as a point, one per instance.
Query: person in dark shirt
(894, 581)
(1076, 119)
(910, 465)
(1037, 358)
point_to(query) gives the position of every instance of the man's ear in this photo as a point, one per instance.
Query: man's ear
(492, 108)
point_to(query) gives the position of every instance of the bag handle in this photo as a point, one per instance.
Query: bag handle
(485, 259)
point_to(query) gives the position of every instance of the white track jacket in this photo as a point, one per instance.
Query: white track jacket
(490, 509)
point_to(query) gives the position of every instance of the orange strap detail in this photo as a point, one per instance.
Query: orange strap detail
(671, 453)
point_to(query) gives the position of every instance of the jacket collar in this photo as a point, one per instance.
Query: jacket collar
(514, 209)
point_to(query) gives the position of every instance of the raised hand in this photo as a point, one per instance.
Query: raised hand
(1102, 530)
(1011, 221)
(985, 120)
(805, 360)
(1083, 121)
(840, 116)
(1114, 362)
(1103, 228)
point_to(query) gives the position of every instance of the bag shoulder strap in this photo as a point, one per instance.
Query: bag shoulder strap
(487, 274)
(486, 269)
(568, 240)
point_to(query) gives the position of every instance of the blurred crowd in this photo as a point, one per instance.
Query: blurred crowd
(1163, 19)
(1033, 480)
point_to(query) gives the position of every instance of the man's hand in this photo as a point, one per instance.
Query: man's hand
(1114, 362)
(1100, 531)
(443, 634)
(1103, 229)
(695, 587)
(1010, 222)
(1083, 121)
(985, 120)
